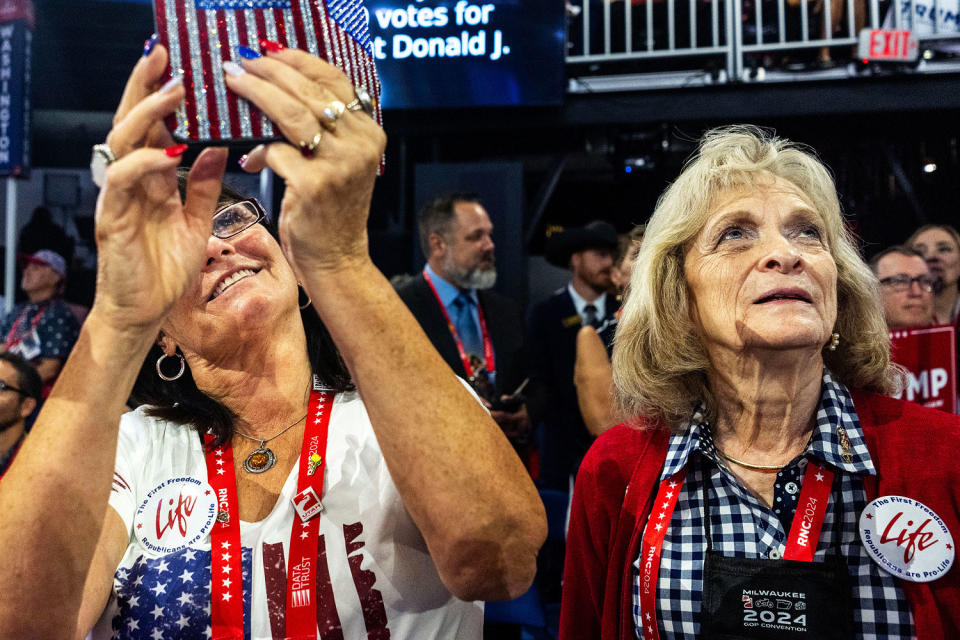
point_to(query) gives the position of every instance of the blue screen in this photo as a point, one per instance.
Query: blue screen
(463, 53)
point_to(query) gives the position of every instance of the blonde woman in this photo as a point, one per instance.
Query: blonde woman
(752, 351)
(939, 244)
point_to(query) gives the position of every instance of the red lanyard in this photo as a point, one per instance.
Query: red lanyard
(650, 550)
(808, 518)
(487, 344)
(226, 595)
(801, 543)
(12, 337)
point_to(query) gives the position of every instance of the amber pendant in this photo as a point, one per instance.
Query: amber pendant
(260, 459)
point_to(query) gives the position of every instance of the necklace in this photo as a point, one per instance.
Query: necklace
(262, 458)
(755, 467)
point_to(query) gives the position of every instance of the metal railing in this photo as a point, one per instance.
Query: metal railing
(688, 38)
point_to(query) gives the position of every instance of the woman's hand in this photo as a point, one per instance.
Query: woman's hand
(150, 244)
(323, 218)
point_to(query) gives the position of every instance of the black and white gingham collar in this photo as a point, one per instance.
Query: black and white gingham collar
(835, 410)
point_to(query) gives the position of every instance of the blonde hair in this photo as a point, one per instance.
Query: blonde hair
(659, 363)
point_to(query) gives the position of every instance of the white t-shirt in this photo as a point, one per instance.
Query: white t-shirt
(383, 580)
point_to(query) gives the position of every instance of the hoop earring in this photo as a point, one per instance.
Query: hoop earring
(834, 341)
(163, 376)
(300, 293)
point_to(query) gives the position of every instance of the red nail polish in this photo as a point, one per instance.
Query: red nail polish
(175, 150)
(270, 46)
(243, 160)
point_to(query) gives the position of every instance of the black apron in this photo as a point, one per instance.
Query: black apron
(752, 598)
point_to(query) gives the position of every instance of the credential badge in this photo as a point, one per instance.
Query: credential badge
(906, 538)
(179, 512)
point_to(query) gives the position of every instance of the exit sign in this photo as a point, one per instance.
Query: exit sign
(888, 44)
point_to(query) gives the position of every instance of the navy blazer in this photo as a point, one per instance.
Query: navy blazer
(552, 400)
(504, 324)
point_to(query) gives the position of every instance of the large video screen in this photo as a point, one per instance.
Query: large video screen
(461, 53)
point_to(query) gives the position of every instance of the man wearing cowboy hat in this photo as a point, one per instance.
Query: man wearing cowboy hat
(43, 329)
(552, 338)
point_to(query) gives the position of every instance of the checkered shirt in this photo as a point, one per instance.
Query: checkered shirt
(744, 527)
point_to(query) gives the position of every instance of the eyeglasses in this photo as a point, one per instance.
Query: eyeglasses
(236, 218)
(9, 387)
(902, 282)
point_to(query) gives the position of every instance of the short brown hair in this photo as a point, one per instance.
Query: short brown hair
(437, 216)
(897, 248)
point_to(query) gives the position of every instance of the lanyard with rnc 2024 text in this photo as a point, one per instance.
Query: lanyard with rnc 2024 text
(801, 543)
(226, 571)
(487, 343)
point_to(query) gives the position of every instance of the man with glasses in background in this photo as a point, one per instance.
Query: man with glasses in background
(906, 287)
(19, 395)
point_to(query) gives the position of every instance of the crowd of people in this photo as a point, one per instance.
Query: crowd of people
(314, 453)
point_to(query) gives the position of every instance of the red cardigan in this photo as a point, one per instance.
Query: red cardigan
(915, 451)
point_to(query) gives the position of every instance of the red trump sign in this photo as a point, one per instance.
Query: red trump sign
(929, 354)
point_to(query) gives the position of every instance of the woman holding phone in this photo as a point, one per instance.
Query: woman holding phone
(256, 494)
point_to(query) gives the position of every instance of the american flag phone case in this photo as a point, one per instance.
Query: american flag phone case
(202, 34)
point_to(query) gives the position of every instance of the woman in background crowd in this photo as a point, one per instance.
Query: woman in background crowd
(752, 352)
(939, 244)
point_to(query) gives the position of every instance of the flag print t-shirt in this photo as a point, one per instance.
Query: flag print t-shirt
(375, 578)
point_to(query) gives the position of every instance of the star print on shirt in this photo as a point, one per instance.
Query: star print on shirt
(169, 597)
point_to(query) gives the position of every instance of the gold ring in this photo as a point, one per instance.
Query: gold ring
(309, 149)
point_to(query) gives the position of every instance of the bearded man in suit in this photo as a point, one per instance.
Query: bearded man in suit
(476, 330)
